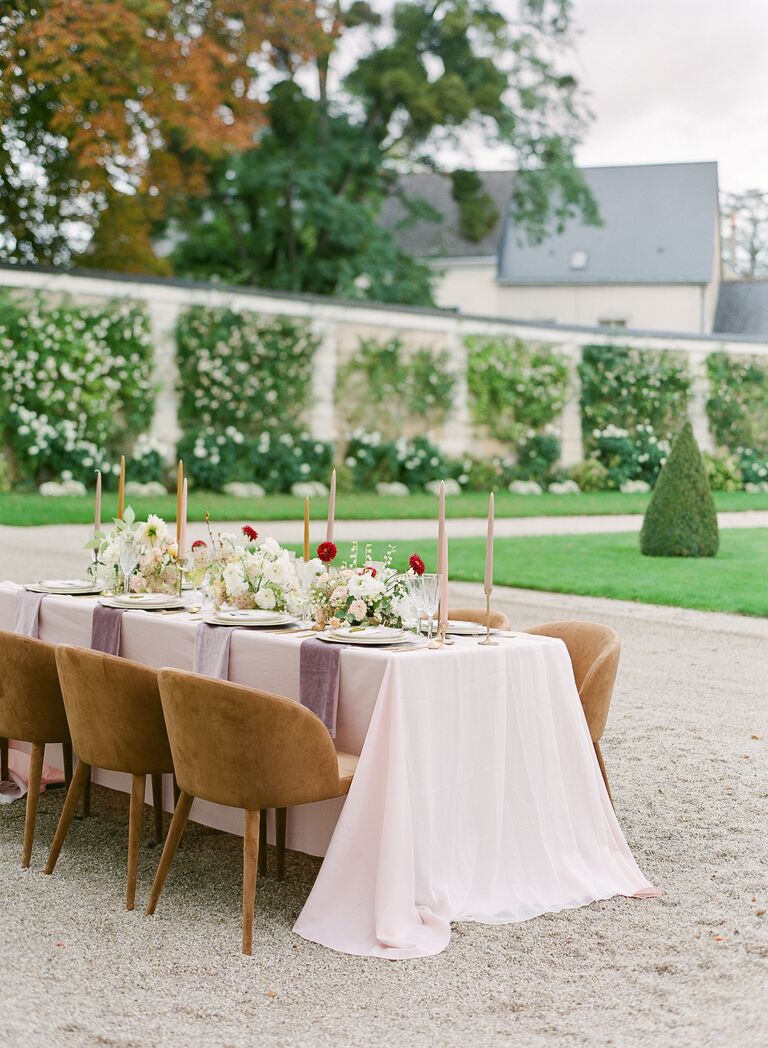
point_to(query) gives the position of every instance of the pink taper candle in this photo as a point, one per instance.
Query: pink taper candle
(183, 522)
(97, 510)
(442, 558)
(489, 550)
(331, 509)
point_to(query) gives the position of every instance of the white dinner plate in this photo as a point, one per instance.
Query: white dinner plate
(459, 628)
(64, 586)
(252, 618)
(143, 601)
(369, 635)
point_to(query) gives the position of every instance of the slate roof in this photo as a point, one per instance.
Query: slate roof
(742, 308)
(659, 226)
(426, 239)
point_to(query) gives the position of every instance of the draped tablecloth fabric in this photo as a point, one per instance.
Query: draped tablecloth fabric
(477, 796)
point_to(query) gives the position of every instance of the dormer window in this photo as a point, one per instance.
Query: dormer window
(579, 258)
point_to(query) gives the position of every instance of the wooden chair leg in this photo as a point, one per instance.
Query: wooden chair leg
(5, 773)
(157, 803)
(250, 867)
(66, 749)
(82, 772)
(176, 793)
(178, 822)
(263, 845)
(85, 812)
(280, 822)
(601, 762)
(135, 819)
(33, 796)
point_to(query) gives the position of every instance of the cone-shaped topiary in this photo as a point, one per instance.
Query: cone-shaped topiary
(681, 520)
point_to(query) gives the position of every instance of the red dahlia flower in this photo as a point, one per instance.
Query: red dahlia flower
(371, 570)
(250, 533)
(327, 551)
(199, 544)
(416, 564)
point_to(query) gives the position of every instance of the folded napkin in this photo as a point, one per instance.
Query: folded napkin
(212, 644)
(28, 612)
(105, 629)
(319, 680)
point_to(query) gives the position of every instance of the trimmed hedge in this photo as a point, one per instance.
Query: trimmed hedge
(681, 520)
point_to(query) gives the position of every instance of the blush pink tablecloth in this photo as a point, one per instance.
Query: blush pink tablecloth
(477, 796)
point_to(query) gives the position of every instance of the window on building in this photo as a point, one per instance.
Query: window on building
(612, 322)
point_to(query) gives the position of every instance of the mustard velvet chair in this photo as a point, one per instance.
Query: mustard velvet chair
(116, 720)
(31, 710)
(594, 650)
(246, 749)
(497, 619)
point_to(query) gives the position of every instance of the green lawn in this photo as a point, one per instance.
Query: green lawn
(26, 509)
(735, 580)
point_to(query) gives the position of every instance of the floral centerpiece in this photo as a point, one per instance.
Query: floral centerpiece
(358, 595)
(245, 573)
(157, 567)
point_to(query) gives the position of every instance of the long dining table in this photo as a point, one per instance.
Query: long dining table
(477, 795)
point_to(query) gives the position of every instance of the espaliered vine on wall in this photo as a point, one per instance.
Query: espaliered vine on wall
(516, 389)
(398, 388)
(245, 385)
(76, 386)
(738, 402)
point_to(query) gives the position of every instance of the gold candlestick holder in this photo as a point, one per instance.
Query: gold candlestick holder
(486, 641)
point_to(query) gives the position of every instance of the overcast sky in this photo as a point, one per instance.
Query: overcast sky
(674, 80)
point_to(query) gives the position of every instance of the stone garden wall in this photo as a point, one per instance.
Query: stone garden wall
(246, 381)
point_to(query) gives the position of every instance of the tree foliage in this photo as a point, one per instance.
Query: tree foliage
(273, 132)
(744, 232)
(100, 98)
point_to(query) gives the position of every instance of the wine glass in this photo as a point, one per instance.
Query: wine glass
(128, 552)
(415, 590)
(431, 598)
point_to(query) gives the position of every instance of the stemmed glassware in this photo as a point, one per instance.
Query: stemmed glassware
(424, 591)
(128, 552)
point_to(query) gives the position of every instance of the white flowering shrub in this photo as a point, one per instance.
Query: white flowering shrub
(632, 403)
(237, 369)
(214, 460)
(515, 388)
(244, 490)
(76, 386)
(372, 460)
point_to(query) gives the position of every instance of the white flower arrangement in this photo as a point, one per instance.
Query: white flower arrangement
(158, 569)
(370, 594)
(245, 573)
(635, 487)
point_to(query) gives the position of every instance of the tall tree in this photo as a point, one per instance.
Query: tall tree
(431, 78)
(744, 232)
(103, 98)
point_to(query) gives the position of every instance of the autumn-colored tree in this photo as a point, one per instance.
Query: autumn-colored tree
(102, 98)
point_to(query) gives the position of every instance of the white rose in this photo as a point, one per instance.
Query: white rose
(234, 581)
(265, 598)
(271, 546)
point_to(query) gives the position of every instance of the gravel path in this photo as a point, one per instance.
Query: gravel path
(690, 779)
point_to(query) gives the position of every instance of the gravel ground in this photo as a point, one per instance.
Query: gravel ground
(686, 753)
